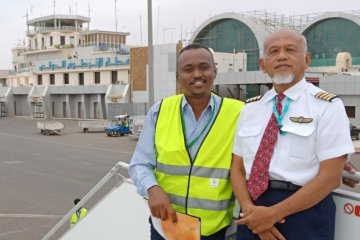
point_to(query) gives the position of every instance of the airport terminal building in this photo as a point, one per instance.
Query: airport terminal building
(333, 40)
(67, 70)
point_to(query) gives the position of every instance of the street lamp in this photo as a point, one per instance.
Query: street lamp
(150, 55)
(164, 30)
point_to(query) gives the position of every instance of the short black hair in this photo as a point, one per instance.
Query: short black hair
(195, 46)
(76, 201)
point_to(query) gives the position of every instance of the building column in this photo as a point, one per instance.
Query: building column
(83, 107)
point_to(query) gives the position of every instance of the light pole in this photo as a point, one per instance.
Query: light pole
(164, 30)
(150, 55)
(140, 21)
(115, 17)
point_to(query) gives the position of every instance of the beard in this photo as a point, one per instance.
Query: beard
(282, 78)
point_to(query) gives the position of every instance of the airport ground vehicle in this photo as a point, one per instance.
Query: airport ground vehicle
(119, 126)
(50, 127)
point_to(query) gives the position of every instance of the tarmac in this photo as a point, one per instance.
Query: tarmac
(357, 145)
(40, 175)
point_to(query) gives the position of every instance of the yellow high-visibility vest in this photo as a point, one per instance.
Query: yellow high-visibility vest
(201, 188)
(75, 217)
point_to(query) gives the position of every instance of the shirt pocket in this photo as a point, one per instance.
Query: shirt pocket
(250, 137)
(299, 140)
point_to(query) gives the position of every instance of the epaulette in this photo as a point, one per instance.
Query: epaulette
(326, 96)
(253, 99)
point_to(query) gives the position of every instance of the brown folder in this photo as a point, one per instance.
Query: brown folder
(186, 228)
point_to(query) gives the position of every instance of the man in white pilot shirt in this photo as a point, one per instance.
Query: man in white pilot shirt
(308, 157)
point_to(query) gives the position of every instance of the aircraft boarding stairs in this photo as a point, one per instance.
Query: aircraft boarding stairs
(123, 214)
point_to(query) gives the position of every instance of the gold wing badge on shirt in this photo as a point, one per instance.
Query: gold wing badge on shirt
(301, 119)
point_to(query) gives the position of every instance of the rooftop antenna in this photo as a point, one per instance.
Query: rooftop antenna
(27, 19)
(54, 6)
(31, 11)
(140, 30)
(26, 16)
(157, 25)
(164, 31)
(75, 7)
(89, 10)
(115, 17)
(181, 34)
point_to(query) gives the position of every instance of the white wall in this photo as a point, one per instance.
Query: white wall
(164, 71)
(229, 62)
(123, 76)
(89, 78)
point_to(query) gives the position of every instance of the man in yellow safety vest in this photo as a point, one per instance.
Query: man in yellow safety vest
(79, 214)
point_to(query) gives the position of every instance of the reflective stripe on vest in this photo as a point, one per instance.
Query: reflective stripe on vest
(195, 171)
(201, 188)
(222, 205)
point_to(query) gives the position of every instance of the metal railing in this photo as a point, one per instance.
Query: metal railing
(54, 29)
(355, 176)
(115, 171)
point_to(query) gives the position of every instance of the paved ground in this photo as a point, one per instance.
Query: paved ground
(41, 175)
(355, 159)
(357, 145)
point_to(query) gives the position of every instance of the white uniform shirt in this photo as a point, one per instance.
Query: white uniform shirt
(298, 153)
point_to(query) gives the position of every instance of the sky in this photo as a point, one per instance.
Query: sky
(172, 19)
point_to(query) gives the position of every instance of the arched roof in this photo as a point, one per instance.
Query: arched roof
(325, 16)
(327, 34)
(331, 33)
(234, 32)
(257, 29)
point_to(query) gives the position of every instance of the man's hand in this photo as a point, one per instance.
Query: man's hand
(259, 219)
(271, 234)
(160, 204)
(350, 168)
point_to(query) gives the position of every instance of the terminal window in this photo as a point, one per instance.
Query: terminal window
(52, 79)
(350, 111)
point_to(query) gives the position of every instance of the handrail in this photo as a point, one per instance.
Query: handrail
(53, 29)
(355, 176)
(84, 199)
(114, 172)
